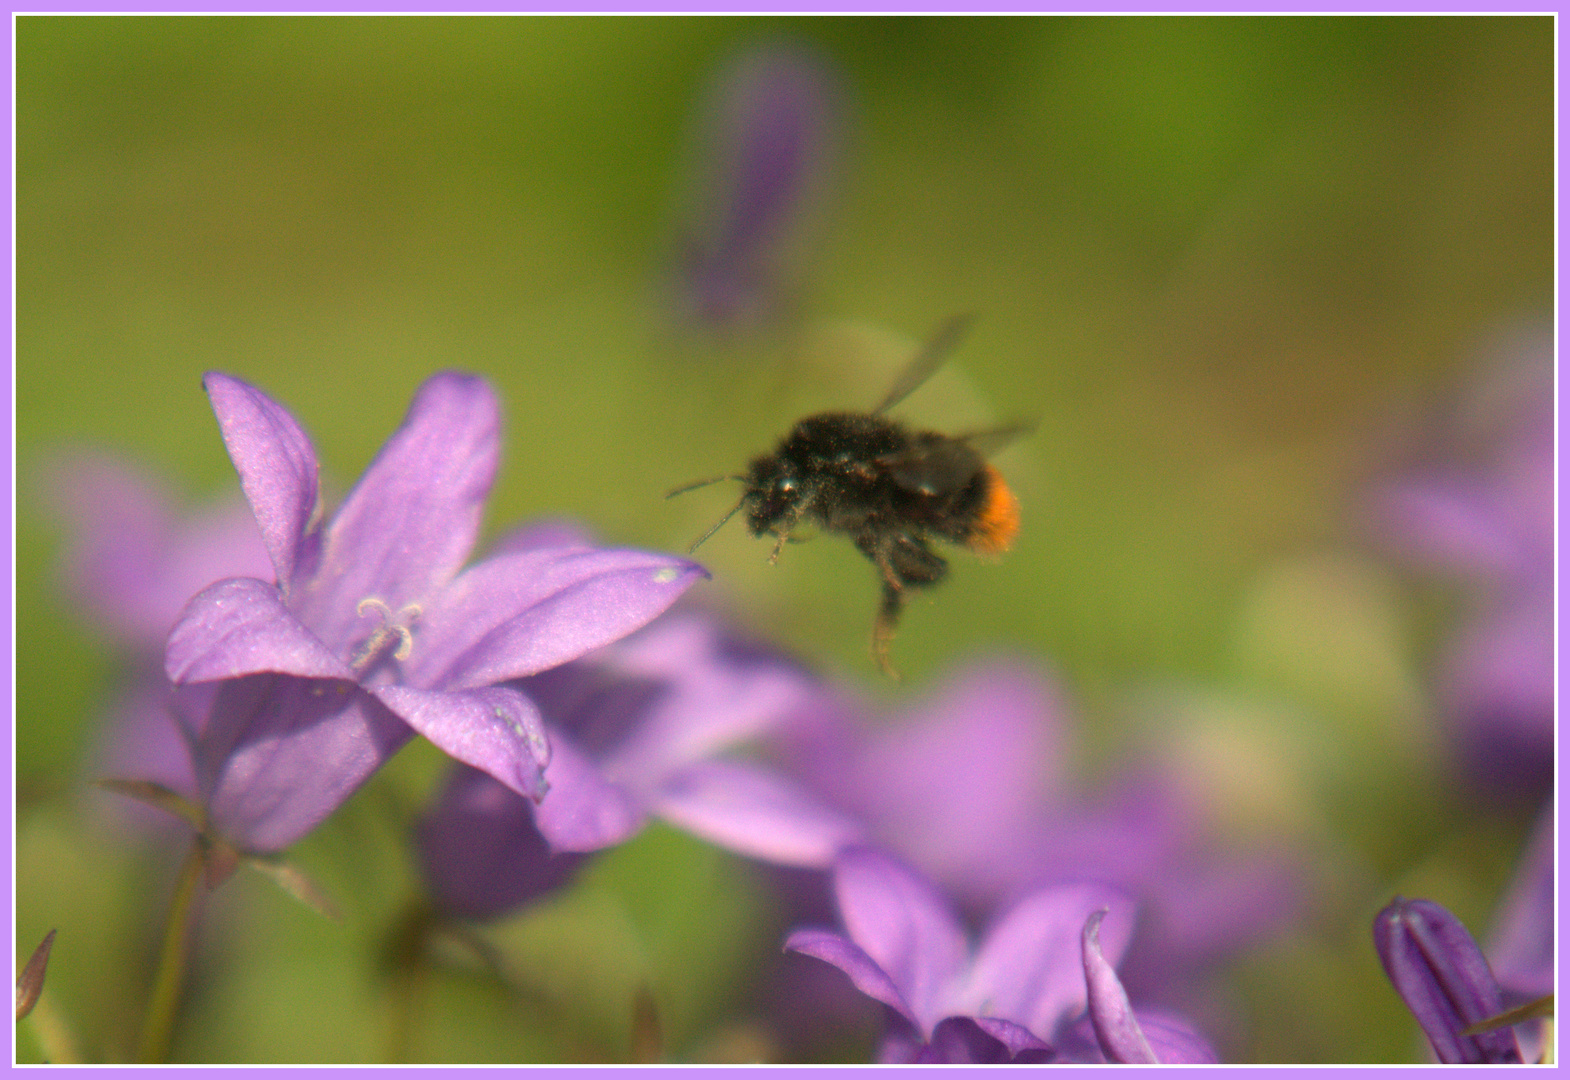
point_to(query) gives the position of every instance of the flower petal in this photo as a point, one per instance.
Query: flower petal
(277, 467)
(277, 755)
(721, 692)
(1440, 973)
(1117, 1029)
(544, 533)
(1521, 948)
(520, 613)
(1174, 1039)
(992, 730)
(496, 729)
(1029, 967)
(413, 517)
(983, 1040)
(583, 810)
(242, 627)
(850, 958)
(754, 813)
(905, 926)
(480, 850)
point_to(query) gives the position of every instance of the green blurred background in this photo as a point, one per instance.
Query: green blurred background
(1218, 259)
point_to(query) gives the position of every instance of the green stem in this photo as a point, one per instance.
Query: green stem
(158, 1032)
(409, 981)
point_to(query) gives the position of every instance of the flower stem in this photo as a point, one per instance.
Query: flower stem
(410, 980)
(158, 1031)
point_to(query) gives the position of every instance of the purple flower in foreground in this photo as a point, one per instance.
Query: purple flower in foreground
(1021, 996)
(1483, 513)
(770, 125)
(295, 691)
(1440, 973)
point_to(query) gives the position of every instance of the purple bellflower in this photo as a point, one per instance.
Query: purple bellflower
(1040, 975)
(639, 729)
(649, 727)
(1483, 514)
(971, 785)
(295, 690)
(770, 126)
(480, 852)
(1441, 974)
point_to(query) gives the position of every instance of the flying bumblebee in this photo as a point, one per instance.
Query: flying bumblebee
(891, 489)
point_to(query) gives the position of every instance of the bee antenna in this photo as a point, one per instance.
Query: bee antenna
(716, 526)
(701, 483)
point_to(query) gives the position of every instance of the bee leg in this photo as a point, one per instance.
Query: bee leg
(883, 628)
(782, 530)
(779, 545)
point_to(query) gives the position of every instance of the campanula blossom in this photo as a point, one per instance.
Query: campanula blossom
(649, 727)
(1481, 512)
(1020, 995)
(481, 853)
(1441, 974)
(770, 130)
(296, 689)
(970, 783)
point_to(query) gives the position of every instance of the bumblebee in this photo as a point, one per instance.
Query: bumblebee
(891, 489)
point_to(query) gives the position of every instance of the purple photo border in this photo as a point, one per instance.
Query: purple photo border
(7, 413)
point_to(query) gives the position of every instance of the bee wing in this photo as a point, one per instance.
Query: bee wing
(992, 440)
(928, 359)
(935, 468)
(939, 464)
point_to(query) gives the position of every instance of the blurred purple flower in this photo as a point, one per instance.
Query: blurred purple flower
(1441, 974)
(130, 563)
(295, 692)
(969, 785)
(1521, 947)
(648, 727)
(1018, 997)
(480, 851)
(1483, 512)
(769, 134)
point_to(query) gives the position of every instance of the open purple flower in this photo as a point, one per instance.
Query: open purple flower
(1441, 974)
(650, 727)
(1019, 996)
(296, 690)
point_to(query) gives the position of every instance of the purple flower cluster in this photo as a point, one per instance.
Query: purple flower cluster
(316, 645)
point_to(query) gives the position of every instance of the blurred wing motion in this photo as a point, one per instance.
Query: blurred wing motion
(948, 464)
(927, 360)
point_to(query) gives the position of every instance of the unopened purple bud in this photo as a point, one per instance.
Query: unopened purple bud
(1441, 974)
(771, 132)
